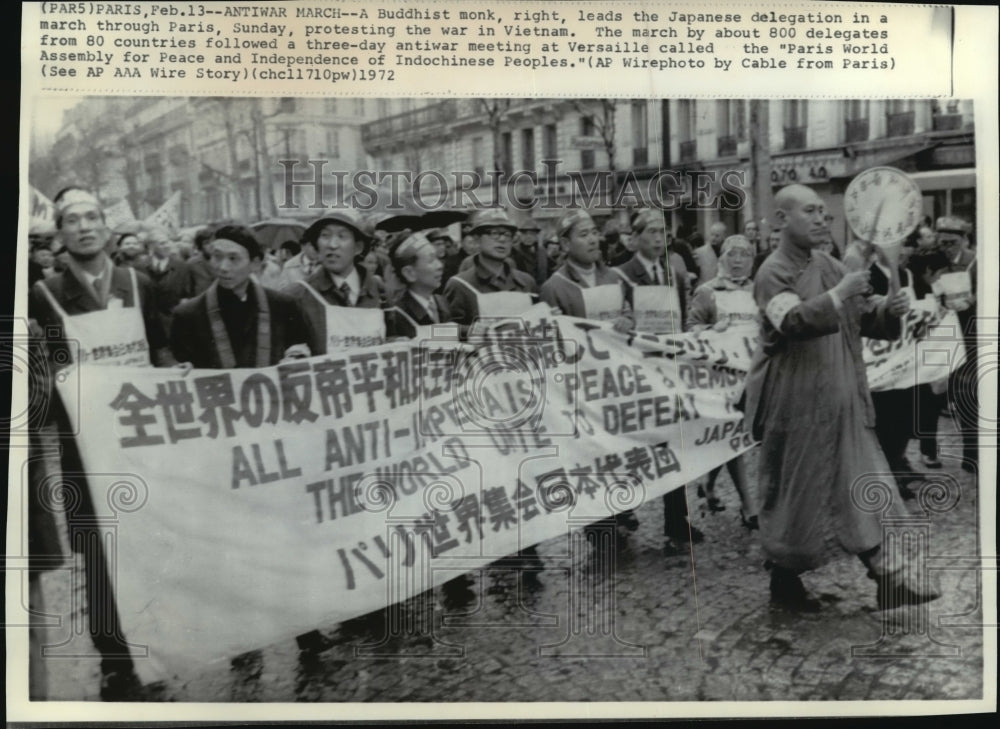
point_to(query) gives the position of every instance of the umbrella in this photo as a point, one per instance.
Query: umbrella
(273, 232)
(394, 209)
(442, 218)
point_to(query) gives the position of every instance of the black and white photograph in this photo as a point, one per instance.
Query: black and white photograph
(437, 400)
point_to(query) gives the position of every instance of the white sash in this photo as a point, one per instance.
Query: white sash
(114, 336)
(657, 309)
(736, 305)
(499, 303)
(350, 326)
(603, 302)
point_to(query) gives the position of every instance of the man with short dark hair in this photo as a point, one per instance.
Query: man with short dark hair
(236, 322)
(419, 267)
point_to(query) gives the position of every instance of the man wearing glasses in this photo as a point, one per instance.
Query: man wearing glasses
(491, 271)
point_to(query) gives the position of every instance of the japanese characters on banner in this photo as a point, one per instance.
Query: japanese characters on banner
(254, 505)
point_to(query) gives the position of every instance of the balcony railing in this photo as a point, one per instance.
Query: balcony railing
(795, 137)
(947, 122)
(409, 122)
(689, 150)
(726, 146)
(900, 124)
(856, 130)
(640, 156)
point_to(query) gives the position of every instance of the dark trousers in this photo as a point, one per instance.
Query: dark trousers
(963, 389)
(675, 513)
(928, 411)
(87, 538)
(894, 421)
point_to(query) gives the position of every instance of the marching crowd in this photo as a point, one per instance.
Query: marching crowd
(224, 301)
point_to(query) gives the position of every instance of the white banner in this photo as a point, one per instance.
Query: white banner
(260, 504)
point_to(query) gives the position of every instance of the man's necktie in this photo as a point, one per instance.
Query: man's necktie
(656, 276)
(345, 291)
(433, 310)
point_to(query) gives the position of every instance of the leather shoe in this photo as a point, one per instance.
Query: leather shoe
(788, 592)
(119, 685)
(894, 592)
(686, 534)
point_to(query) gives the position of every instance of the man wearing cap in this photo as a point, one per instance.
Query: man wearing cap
(572, 287)
(448, 251)
(418, 266)
(235, 322)
(960, 295)
(524, 254)
(490, 272)
(341, 238)
(99, 313)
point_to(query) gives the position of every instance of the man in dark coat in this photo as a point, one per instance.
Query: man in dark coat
(236, 322)
(95, 312)
(419, 267)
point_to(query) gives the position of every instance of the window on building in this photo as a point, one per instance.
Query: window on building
(795, 114)
(359, 107)
(730, 126)
(528, 150)
(587, 157)
(900, 117)
(331, 106)
(383, 107)
(640, 132)
(550, 142)
(857, 126)
(507, 153)
(286, 105)
(687, 125)
(333, 143)
(478, 156)
(406, 104)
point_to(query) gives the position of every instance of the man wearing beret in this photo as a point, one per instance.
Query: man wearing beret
(342, 239)
(964, 382)
(236, 322)
(89, 312)
(491, 271)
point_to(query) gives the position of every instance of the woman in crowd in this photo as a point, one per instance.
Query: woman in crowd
(719, 303)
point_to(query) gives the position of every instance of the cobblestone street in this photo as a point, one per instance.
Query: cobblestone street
(689, 627)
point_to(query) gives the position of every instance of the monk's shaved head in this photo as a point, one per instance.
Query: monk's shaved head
(801, 216)
(791, 196)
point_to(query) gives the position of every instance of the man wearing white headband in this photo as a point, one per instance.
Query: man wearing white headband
(807, 402)
(97, 313)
